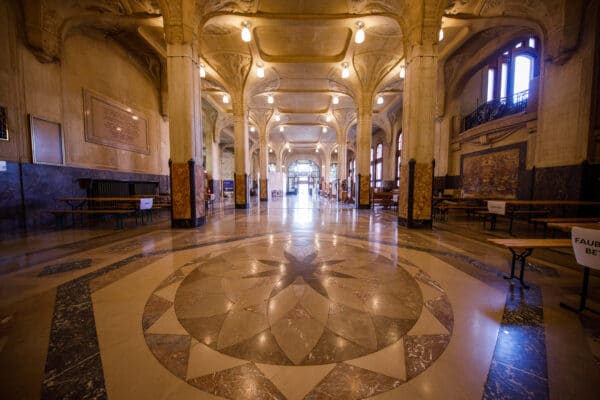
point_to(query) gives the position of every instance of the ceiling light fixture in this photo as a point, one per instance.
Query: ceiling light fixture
(345, 70)
(246, 35)
(270, 99)
(202, 71)
(336, 99)
(226, 98)
(380, 99)
(441, 35)
(260, 71)
(360, 33)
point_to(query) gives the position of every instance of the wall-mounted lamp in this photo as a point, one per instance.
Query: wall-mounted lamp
(281, 129)
(380, 99)
(360, 33)
(324, 129)
(277, 117)
(345, 70)
(336, 100)
(202, 71)
(441, 35)
(270, 99)
(226, 98)
(246, 35)
(402, 71)
(260, 71)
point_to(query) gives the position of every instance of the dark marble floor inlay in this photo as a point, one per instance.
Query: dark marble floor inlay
(67, 266)
(519, 365)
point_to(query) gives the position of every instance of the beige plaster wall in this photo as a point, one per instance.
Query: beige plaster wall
(565, 105)
(227, 165)
(11, 84)
(53, 91)
(98, 64)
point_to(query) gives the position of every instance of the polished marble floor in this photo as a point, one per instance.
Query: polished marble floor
(298, 298)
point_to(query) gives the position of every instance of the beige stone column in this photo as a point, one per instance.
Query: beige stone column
(261, 117)
(416, 182)
(240, 150)
(363, 151)
(185, 129)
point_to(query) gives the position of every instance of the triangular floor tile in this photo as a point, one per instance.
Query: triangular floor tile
(154, 309)
(203, 361)
(295, 382)
(172, 351)
(169, 292)
(389, 361)
(422, 351)
(167, 325)
(349, 382)
(428, 325)
(243, 382)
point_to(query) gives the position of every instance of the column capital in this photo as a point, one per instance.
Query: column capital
(179, 20)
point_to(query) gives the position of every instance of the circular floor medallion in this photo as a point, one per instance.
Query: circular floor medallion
(299, 302)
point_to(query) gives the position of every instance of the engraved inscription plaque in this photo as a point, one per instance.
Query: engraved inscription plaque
(112, 124)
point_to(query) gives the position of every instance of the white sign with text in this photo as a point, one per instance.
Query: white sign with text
(497, 207)
(586, 246)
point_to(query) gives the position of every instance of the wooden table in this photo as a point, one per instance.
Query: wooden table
(512, 205)
(119, 206)
(567, 226)
(523, 248)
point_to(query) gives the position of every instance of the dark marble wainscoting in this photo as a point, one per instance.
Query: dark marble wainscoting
(31, 189)
(558, 183)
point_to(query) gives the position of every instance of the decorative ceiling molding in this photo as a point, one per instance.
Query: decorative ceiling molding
(233, 68)
(373, 7)
(229, 6)
(373, 67)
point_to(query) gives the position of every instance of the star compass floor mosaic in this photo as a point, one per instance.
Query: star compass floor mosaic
(295, 317)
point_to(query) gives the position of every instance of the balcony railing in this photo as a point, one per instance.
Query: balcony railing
(495, 109)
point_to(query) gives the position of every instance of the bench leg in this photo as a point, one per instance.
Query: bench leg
(523, 258)
(583, 298)
(119, 222)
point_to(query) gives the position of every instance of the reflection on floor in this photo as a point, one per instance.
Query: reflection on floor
(297, 298)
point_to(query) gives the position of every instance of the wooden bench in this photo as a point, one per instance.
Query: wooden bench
(547, 221)
(119, 214)
(493, 217)
(443, 208)
(523, 248)
(384, 199)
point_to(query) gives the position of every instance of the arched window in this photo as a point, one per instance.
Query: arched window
(398, 159)
(508, 81)
(379, 166)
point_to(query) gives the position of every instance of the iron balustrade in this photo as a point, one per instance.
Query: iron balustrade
(495, 109)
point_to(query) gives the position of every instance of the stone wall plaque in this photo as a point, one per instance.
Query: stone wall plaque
(46, 141)
(113, 124)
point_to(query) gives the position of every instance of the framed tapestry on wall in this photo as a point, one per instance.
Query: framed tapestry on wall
(3, 123)
(46, 141)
